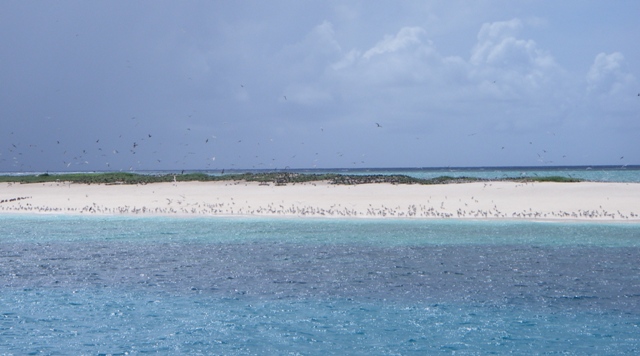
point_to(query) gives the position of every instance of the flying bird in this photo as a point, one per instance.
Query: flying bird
(378, 125)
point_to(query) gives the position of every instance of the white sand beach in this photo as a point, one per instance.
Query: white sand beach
(490, 200)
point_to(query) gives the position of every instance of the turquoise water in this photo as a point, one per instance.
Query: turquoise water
(112, 285)
(629, 174)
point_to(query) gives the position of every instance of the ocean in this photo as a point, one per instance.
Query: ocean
(256, 286)
(624, 173)
(78, 285)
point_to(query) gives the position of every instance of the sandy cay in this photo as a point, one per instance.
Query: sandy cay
(490, 200)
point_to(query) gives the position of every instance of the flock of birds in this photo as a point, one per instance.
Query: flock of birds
(188, 150)
(336, 210)
(101, 152)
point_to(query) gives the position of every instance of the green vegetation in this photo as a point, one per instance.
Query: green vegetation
(278, 178)
(555, 179)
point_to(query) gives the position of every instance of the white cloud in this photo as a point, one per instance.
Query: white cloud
(406, 37)
(518, 65)
(323, 35)
(494, 32)
(501, 66)
(498, 56)
(403, 59)
(607, 74)
(611, 94)
(350, 58)
(507, 83)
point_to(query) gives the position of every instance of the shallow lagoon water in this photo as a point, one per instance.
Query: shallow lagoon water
(114, 285)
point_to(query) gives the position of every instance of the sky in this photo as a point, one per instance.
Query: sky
(287, 84)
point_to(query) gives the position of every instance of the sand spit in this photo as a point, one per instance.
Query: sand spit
(479, 200)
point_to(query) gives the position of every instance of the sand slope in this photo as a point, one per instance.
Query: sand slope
(504, 200)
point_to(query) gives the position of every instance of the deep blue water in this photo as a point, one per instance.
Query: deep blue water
(113, 285)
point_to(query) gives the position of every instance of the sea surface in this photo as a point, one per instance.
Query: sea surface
(238, 286)
(589, 173)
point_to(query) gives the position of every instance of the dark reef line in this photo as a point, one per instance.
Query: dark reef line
(279, 178)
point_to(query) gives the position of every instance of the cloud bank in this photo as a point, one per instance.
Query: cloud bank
(123, 86)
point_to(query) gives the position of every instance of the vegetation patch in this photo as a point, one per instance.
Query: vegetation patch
(557, 179)
(278, 178)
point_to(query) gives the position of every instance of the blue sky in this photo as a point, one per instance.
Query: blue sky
(148, 85)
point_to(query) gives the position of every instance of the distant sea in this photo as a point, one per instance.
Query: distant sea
(74, 285)
(621, 173)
